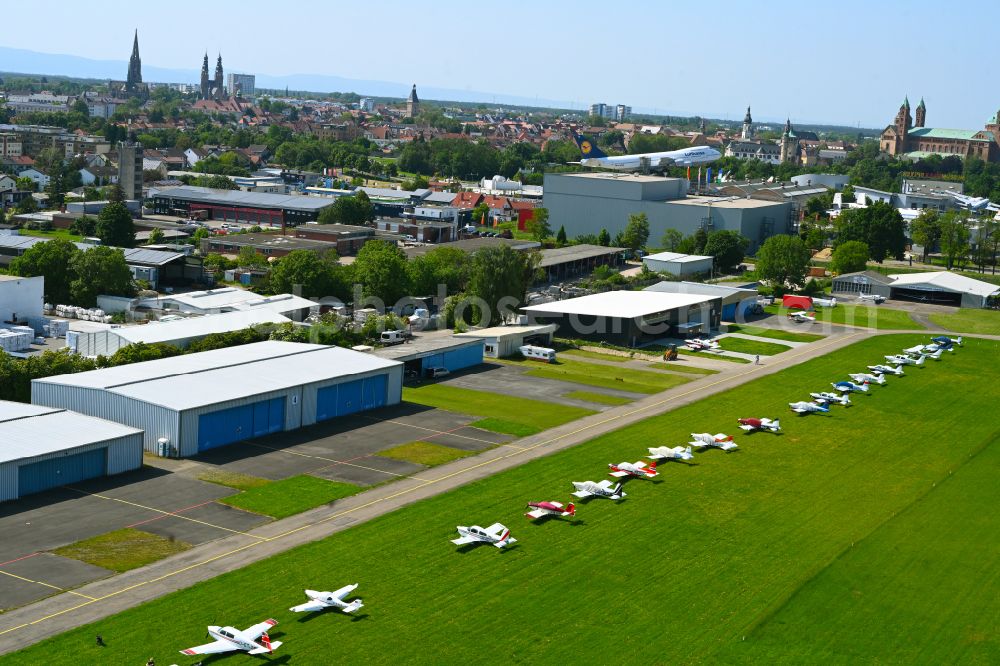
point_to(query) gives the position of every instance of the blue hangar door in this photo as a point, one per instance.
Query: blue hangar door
(38, 476)
(235, 424)
(350, 397)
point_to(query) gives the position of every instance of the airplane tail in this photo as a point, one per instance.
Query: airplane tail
(920, 361)
(571, 509)
(617, 489)
(776, 424)
(587, 147)
(652, 466)
(265, 640)
(353, 606)
(958, 341)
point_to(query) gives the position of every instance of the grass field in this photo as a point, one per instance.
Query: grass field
(869, 535)
(123, 549)
(776, 333)
(603, 376)
(280, 499)
(718, 357)
(425, 453)
(599, 398)
(752, 346)
(505, 427)
(970, 321)
(586, 353)
(233, 479)
(500, 410)
(880, 318)
(680, 367)
(63, 234)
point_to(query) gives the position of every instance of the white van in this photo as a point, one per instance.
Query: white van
(538, 353)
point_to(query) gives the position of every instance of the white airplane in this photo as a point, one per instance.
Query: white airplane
(322, 600)
(874, 298)
(887, 369)
(899, 359)
(702, 345)
(601, 489)
(920, 350)
(668, 453)
(808, 407)
(592, 156)
(495, 535)
(543, 509)
(751, 425)
(718, 440)
(866, 378)
(850, 387)
(634, 469)
(834, 398)
(228, 639)
(801, 317)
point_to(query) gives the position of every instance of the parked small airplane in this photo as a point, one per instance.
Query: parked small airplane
(945, 340)
(601, 489)
(887, 369)
(634, 469)
(543, 509)
(803, 407)
(920, 350)
(751, 425)
(228, 639)
(801, 317)
(873, 298)
(322, 600)
(702, 345)
(495, 535)
(670, 453)
(718, 440)
(899, 359)
(866, 378)
(833, 398)
(850, 387)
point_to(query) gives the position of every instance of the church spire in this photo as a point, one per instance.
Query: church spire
(134, 65)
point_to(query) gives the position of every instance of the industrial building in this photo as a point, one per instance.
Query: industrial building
(239, 206)
(504, 341)
(45, 447)
(736, 301)
(423, 353)
(230, 299)
(586, 203)
(21, 299)
(571, 261)
(939, 287)
(629, 317)
(195, 402)
(680, 265)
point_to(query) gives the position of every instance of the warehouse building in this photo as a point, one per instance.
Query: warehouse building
(504, 341)
(630, 317)
(939, 287)
(736, 301)
(677, 264)
(44, 447)
(572, 261)
(586, 203)
(195, 402)
(238, 206)
(231, 299)
(423, 353)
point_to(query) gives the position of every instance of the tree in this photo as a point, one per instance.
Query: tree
(481, 214)
(501, 277)
(307, 273)
(155, 236)
(356, 210)
(817, 206)
(700, 238)
(727, 248)
(200, 234)
(954, 238)
(114, 193)
(115, 226)
(849, 257)
(443, 266)
(561, 235)
(249, 257)
(25, 184)
(51, 260)
(100, 270)
(604, 238)
(925, 231)
(671, 239)
(380, 269)
(141, 351)
(26, 205)
(880, 226)
(783, 260)
(636, 232)
(538, 225)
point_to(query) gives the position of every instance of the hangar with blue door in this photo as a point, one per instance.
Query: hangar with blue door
(192, 403)
(420, 354)
(44, 447)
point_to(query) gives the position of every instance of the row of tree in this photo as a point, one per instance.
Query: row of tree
(74, 276)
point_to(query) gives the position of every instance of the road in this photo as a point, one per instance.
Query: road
(27, 625)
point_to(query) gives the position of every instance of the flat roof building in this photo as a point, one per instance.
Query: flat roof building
(419, 354)
(504, 341)
(239, 206)
(681, 265)
(231, 299)
(736, 301)
(567, 262)
(196, 402)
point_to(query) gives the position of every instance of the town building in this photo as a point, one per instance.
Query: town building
(913, 140)
(242, 85)
(737, 302)
(412, 103)
(130, 168)
(229, 299)
(747, 133)
(237, 206)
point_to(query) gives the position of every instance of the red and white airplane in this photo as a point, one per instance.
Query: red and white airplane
(702, 345)
(544, 509)
(634, 469)
(252, 640)
(802, 317)
(495, 535)
(718, 440)
(322, 600)
(670, 453)
(750, 425)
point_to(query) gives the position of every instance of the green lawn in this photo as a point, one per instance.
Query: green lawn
(123, 549)
(680, 367)
(865, 536)
(584, 353)
(599, 398)
(752, 346)
(233, 479)
(603, 376)
(865, 316)
(63, 234)
(531, 415)
(776, 333)
(505, 427)
(970, 321)
(718, 357)
(425, 453)
(280, 499)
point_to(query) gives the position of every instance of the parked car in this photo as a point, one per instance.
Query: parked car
(436, 372)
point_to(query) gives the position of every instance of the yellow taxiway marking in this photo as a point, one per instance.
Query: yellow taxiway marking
(333, 461)
(38, 582)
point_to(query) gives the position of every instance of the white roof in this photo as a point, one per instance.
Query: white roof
(506, 331)
(178, 365)
(27, 431)
(946, 281)
(676, 257)
(667, 286)
(194, 327)
(238, 299)
(621, 304)
(187, 391)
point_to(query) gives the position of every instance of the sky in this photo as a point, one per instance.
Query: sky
(848, 62)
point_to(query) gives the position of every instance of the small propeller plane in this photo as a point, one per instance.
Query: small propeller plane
(670, 453)
(598, 489)
(866, 378)
(832, 398)
(718, 440)
(636, 469)
(228, 639)
(545, 509)
(703, 345)
(887, 370)
(850, 387)
(946, 341)
(801, 317)
(751, 425)
(920, 350)
(322, 600)
(495, 535)
(803, 407)
(900, 359)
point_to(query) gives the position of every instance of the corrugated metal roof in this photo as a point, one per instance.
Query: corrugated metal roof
(188, 391)
(619, 304)
(676, 257)
(177, 365)
(52, 431)
(20, 410)
(946, 281)
(198, 326)
(238, 299)
(300, 202)
(713, 290)
(561, 255)
(135, 255)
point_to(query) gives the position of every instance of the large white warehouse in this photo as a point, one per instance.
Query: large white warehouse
(196, 402)
(43, 447)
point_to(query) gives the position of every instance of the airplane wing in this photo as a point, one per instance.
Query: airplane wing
(264, 650)
(461, 541)
(582, 494)
(618, 474)
(746, 427)
(656, 456)
(212, 648)
(308, 607)
(537, 513)
(258, 629)
(727, 446)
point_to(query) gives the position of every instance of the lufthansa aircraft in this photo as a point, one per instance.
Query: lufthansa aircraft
(592, 156)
